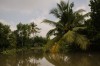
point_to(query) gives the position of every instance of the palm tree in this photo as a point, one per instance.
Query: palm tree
(66, 29)
(34, 28)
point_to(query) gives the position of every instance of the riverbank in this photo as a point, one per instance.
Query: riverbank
(14, 51)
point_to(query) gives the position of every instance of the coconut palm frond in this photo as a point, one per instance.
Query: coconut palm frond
(59, 8)
(51, 32)
(51, 43)
(87, 14)
(38, 28)
(77, 28)
(82, 41)
(79, 18)
(54, 40)
(49, 22)
(72, 5)
(72, 37)
(60, 26)
(69, 37)
(55, 12)
(79, 11)
(63, 4)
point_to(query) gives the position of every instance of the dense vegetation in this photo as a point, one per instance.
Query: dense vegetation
(23, 37)
(73, 31)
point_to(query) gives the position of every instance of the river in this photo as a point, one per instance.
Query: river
(37, 58)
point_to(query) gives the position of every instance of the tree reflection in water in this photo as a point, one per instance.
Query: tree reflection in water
(74, 59)
(30, 58)
(26, 58)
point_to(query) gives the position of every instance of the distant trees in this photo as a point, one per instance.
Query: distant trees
(6, 37)
(39, 41)
(34, 28)
(23, 36)
(24, 32)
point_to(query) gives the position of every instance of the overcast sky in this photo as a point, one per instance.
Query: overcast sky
(26, 11)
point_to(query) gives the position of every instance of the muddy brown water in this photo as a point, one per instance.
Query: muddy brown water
(37, 58)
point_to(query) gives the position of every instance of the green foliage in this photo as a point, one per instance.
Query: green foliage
(6, 37)
(50, 43)
(24, 33)
(95, 13)
(70, 32)
(93, 30)
(9, 52)
(72, 37)
(69, 37)
(67, 27)
(12, 40)
(39, 41)
(22, 37)
(49, 22)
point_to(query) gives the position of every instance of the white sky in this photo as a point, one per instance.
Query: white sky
(26, 11)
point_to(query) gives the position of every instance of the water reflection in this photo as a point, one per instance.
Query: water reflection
(30, 58)
(74, 59)
(26, 58)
